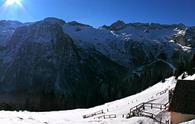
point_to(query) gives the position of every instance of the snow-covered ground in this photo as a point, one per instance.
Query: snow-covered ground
(120, 108)
(157, 94)
(189, 122)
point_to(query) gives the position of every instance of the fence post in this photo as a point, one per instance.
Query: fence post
(143, 106)
(160, 120)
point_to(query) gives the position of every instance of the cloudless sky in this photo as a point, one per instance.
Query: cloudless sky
(100, 12)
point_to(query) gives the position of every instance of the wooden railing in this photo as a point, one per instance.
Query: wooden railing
(144, 105)
(107, 116)
(93, 114)
(156, 106)
(139, 111)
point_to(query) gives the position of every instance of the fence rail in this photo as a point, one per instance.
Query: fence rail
(93, 114)
(139, 111)
(107, 116)
(142, 106)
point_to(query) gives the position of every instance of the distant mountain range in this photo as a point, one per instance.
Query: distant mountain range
(53, 64)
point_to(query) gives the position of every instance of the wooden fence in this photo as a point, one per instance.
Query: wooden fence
(139, 111)
(107, 116)
(93, 114)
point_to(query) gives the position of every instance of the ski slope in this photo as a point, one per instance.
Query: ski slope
(120, 108)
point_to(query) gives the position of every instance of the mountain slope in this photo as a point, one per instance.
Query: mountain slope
(75, 65)
(46, 71)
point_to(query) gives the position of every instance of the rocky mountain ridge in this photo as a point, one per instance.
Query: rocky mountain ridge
(52, 64)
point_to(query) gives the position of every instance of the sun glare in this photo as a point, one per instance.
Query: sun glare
(12, 5)
(13, 2)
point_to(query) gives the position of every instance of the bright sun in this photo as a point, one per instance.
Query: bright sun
(13, 2)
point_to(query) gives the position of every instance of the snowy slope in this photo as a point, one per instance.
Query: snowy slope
(116, 44)
(148, 33)
(120, 107)
(104, 41)
(157, 94)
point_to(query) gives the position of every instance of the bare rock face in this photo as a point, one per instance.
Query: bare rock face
(45, 71)
(117, 25)
(7, 28)
(180, 38)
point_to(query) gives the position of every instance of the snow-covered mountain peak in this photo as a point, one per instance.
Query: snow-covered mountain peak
(113, 40)
(144, 31)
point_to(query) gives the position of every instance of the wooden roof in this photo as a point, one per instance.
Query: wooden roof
(183, 100)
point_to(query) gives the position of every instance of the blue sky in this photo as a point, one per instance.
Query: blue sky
(99, 12)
